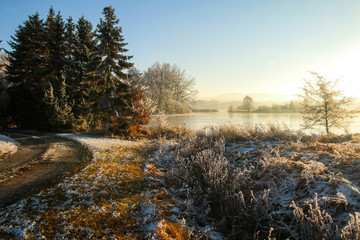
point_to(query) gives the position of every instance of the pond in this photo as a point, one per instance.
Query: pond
(293, 121)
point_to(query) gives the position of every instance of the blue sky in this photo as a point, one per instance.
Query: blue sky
(228, 46)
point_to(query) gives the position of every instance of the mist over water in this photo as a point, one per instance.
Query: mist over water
(293, 121)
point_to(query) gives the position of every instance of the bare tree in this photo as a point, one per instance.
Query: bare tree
(324, 105)
(170, 88)
(248, 103)
(3, 63)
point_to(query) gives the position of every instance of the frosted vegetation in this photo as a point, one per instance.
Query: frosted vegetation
(226, 181)
(265, 182)
(7, 146)
(120, 194)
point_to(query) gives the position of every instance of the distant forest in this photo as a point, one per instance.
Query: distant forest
(248, 106)
(238, 106)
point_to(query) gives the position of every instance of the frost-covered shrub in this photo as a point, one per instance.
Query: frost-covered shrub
(352, 230)
(7, 146)
(312, 222)
(219, 188)
(241, 182)
(160, 128)
(253, 216)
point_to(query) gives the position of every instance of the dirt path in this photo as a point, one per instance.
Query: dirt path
(41, 160)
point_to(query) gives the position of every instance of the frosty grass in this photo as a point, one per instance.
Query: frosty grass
(7, 145)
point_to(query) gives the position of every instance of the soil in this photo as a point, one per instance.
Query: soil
(41, 161)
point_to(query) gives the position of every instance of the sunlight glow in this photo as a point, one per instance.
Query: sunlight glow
(347, 70)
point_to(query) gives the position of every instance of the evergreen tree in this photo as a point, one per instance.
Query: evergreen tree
(56, 61)
(55, 46)
(70, 66)
(59, 72)
(58, 112)
(111, 91)
(26, 72)
(84, 68)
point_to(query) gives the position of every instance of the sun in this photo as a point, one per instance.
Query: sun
(347, 70)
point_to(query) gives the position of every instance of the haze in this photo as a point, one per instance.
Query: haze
(227, 46)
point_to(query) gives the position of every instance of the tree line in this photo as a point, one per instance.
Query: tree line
(248, 106)
(62, 75)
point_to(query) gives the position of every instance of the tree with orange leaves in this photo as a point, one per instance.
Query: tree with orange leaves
(141, 107)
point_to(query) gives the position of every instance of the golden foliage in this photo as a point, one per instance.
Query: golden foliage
(172, 231)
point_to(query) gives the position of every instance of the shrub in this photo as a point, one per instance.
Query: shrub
(352, 230)
(312, 222)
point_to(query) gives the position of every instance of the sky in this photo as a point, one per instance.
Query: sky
(229, 46)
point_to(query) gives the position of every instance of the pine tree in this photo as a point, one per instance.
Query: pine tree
(70, 66)
(59, 113)
(84, 68)
(111, 91)
(55, 46)
(26, 72)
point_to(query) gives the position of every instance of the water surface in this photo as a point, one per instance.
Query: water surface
(293, 121)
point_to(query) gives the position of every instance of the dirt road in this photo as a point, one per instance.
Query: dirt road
(41, 161)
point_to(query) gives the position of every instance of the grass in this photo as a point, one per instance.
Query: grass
(248, 182)
(119, 195)
(226, 181)
(7, 146)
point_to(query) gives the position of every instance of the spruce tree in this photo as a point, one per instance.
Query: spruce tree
(26, 72)
(111, 91)
(56, 53)
(84, 68)
(70, 68)
(55, 46)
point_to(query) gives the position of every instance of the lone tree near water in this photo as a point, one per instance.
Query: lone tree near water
(323, 104)
(248, 103)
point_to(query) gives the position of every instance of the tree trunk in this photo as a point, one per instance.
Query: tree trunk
(326, 119)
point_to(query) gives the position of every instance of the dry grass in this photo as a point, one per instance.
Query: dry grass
(226, 182)
(314, 223)
(119, 195)
(238, 132)
(352, 230)
(243, 180)
(172, 231)
(7, 146)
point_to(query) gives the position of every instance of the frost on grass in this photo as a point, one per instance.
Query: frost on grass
(120, 194)
(266, 182)
(7, 146)
(229, 181)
